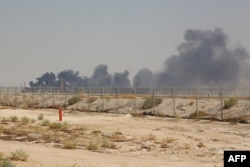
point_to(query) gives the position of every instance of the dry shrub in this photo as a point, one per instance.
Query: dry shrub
(187, 146)
(166, 141)
(25, 120)
(92, 146)
(191, 103)
(40, 117)
(19, 155)
(200, 114)
(1, 129)
(24, 105)
(73, 100)
(200, 144)
(151, 102)
(96, 132)
(107, 97)
(82, 95)
(13, 118)
(91, 99)
(149, 137)
(230, 103)
(106, 143)
(118, 137)
(127, 96)
(69, 144)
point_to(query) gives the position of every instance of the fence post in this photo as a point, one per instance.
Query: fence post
(33, 101)
(174, 101)
(197, 107)
(135, 100)
(7, 96)
(118, 100)
(15, 99)
(53, 96)
(77, 96)
(65, 98)
(154, 100)
(43, 97)
(88, 99)
(103, 100)
(24, 100)
(221, 98)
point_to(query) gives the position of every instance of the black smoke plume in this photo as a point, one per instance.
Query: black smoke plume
(204, 59)
(121, 79)
(69, 78)
(144, 78)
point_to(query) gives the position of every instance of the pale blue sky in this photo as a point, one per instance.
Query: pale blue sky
(38, 36)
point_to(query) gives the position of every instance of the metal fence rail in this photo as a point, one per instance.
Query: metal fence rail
(213, 92)
(54, 97)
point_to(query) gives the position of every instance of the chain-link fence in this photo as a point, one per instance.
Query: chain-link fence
(176, 102)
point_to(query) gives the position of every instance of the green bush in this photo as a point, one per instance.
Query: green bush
(1, 129)
(229, 103)
(199, 114)
(69, 144)
(149, 103)
(25, 120)
(45, 122)
(13, 118)
(40, 117)
(19, 155)
(73, 100)
(92, 146)
(5, 163)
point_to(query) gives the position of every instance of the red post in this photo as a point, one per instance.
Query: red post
(60, 114)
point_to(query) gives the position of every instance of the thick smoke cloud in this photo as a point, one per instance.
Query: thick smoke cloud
(144, 78)
(204, 59)
(101, 77)
(47, 79)
(69, 78)
(121, 79)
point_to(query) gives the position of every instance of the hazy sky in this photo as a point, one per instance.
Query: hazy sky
(38, 36)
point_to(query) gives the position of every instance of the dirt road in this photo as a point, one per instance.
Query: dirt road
(148, 141)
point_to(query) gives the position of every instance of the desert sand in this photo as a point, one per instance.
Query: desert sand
(147, 141)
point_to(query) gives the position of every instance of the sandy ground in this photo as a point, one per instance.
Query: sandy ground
(150, 141)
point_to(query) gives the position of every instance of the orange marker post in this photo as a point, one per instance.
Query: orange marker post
(60, 114)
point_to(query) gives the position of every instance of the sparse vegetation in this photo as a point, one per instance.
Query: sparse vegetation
(6, 163)
(118, 137)
(58, 126)
(106, 143)
(24, 105)
(200, 144)
(91, 99)
(19, 155)
(73, 100)
(69, 144)
(199, 114)
(1, 129)
(33, 120)
(40, 117)
(191, 103)
(13, 118)
(92, 146)
(149, 103)
(149, 137)
(128, 96)
(25, 120)
(230, 103)
(45, 122)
